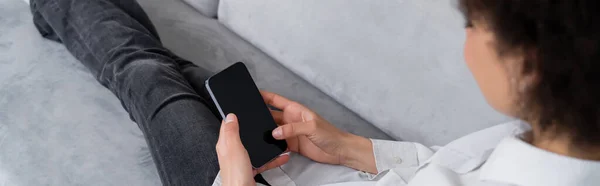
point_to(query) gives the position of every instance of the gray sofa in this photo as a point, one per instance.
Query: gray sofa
(383, 69)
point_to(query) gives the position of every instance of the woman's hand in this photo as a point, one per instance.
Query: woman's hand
(310, 135)
(236, 169)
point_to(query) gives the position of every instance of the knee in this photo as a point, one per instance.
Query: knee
(144, 81)
(141, 72)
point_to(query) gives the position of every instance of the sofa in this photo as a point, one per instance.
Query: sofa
(383, 69)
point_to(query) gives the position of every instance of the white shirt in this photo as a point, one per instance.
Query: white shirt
(496, 156)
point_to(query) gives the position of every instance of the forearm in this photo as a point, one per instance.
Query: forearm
(358, 154)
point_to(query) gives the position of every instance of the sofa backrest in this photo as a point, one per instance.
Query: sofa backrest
(397, 63)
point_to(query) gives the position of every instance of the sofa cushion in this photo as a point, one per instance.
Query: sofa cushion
(209, 44)
(208, 8)
(396, 63)
(59, 126)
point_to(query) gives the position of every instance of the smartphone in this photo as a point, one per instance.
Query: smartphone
(233, 91)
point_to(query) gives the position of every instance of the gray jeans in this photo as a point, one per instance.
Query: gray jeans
(163, 93)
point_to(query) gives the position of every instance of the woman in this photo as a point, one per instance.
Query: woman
(535, 60)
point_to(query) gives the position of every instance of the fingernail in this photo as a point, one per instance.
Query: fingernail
(277, 133)
(230, 118)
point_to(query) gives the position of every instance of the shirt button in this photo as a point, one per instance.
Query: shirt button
(398, 160)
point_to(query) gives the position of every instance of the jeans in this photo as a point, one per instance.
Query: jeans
(162, 93)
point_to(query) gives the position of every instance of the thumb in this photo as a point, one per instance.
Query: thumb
(295, 129)
(229, 136)
(234, 161)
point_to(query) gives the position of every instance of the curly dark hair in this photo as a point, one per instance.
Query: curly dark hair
(560, 42)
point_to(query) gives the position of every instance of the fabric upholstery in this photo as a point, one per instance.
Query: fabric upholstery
(208, 8)
(398, 64)
(59, 126)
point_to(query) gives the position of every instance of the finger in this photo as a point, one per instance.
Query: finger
(231, 128)
(294, 129)
(279, 161)
(229, 136)
(276, 100)
(277, 116)
(234, 161)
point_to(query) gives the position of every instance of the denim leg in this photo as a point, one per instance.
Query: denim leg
(116, 41)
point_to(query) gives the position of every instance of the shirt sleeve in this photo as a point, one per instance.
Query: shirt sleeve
(397, 154)
(217, 181)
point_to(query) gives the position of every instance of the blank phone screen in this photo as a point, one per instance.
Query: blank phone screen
(234, 91)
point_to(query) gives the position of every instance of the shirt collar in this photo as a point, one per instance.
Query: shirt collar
(517, 162)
